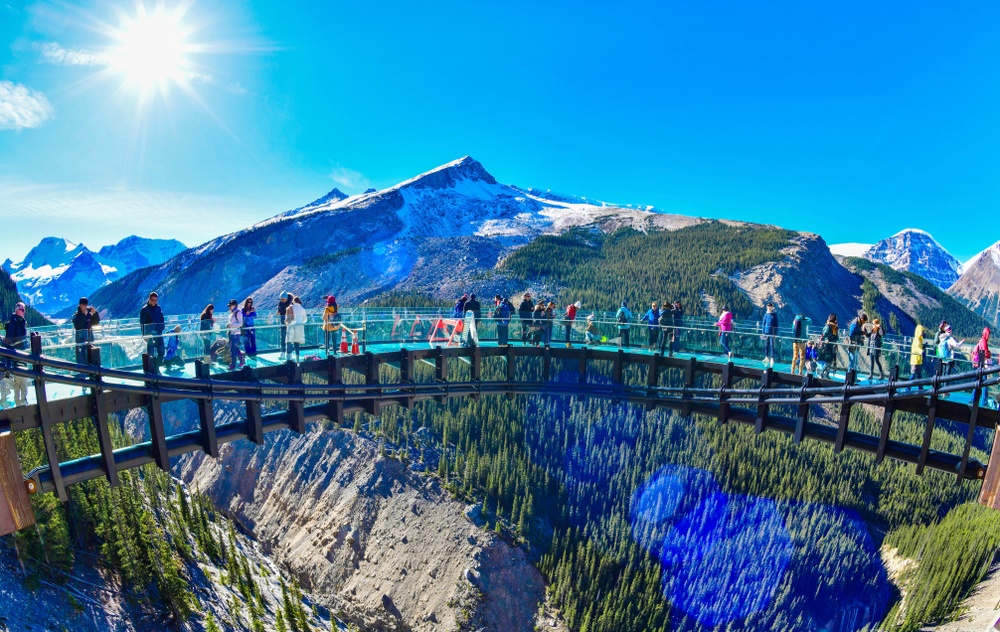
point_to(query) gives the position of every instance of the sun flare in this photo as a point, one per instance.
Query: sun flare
(152, 49)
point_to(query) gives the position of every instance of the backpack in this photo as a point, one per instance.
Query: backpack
(622, 317)
(942, 348)
(797, 325)
(854, 329)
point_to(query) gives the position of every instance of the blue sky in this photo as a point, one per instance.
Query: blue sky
(853, 120)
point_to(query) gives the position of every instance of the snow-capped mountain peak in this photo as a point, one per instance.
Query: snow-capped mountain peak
(917, 251)
(57, 272)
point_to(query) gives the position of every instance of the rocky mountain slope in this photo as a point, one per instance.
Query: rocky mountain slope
(383, 545)
(57, 272)
(447, 225)
(979, 286)
(916, 251)
(87, 598)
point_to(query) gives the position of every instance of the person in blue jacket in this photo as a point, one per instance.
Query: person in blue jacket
(151, 324)
(652, 320)
(769, 330)
(501, 314)
(249, 332)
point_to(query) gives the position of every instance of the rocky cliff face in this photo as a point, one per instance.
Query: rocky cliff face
(385, 546)
(979, 286)
(808, 279)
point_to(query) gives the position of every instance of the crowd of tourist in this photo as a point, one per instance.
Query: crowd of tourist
(539, 321)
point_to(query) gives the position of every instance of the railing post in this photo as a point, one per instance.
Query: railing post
(845, 411)
(406, 366)
(296, 407)
(335, 406)
(100, 415)
(45, 420)
(206, 411)
(511, 366)
(154, 410)
(890, 408)
(255, 422)
(977, 393)
(689, 378)
(766, 377)
(652, 379)
(803, 417)
(932, 404)
(727, 382)
(373, 402)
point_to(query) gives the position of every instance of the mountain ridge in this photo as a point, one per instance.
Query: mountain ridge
(57, 272)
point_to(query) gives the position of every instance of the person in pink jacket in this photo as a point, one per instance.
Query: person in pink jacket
(725, 325)
(981, 353)
(981, 358)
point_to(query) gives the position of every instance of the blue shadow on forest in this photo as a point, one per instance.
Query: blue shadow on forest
(725, 557)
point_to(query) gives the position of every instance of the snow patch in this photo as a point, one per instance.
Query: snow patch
(850, 249)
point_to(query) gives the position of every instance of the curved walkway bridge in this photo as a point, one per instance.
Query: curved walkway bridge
(402, 357)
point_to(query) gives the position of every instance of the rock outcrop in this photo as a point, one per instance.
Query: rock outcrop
(384, 547)
(979, 286)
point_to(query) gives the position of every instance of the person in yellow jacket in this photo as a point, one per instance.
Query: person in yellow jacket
(917, 353)
(331, 324)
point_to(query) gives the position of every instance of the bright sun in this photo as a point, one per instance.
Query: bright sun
(152, 48)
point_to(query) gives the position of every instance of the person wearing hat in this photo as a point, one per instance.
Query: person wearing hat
(84, 319)
(623, 315)
(331, 324)
(234, 328)
(284, 302)
(524, 312)
(946, 350)
(151, 325)
(590, 335)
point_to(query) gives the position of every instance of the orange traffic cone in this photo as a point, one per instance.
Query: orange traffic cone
(343, 344)
(354, 346)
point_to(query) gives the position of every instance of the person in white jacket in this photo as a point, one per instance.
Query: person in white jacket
(296, 318)
(234, 327)
(946, 350)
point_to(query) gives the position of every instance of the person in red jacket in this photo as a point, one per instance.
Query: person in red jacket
(571, 310)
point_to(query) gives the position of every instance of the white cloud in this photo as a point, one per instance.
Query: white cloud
(56, 54)
(236, 88)
(349, 178)
(22, 107)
